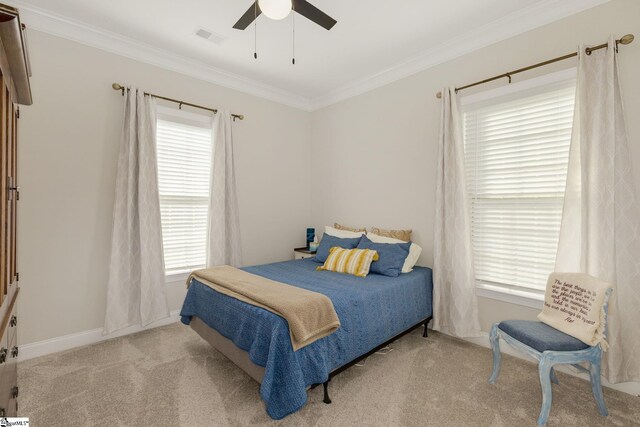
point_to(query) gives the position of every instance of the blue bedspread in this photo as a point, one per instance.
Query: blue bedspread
(371, 310)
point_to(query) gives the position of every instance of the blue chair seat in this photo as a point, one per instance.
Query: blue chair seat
(540, 336)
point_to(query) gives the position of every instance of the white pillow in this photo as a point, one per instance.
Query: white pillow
(414, 250)
(343, 234)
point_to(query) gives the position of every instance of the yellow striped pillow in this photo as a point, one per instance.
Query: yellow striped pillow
(350, 261)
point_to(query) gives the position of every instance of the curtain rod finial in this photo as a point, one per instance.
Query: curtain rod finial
(626, 39)
(439, 95)
(118, 86)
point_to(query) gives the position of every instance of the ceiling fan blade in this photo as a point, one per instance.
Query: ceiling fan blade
(314, 14)
(248, 17)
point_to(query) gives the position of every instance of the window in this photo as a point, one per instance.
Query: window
(516, 156)
(184, 144)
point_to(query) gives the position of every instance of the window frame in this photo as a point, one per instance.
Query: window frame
(500, 291)
(202, 120)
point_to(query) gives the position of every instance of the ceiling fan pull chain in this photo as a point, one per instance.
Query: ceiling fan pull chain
(255, 30)
(293, 60)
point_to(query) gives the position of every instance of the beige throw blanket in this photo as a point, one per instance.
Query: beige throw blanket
(310, 315)
(574, 304)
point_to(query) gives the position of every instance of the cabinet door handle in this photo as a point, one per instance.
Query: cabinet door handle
(14, 392)
(3, 355)
(14, 321)
(14, 351)
(11, 188)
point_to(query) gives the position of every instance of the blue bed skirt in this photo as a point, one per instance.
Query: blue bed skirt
(371, 310)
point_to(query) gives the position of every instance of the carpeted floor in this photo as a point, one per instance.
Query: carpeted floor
(170, 377)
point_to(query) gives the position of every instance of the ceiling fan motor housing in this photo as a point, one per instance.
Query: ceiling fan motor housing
(275, 9)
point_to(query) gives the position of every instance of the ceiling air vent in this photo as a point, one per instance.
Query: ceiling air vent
(210, 35)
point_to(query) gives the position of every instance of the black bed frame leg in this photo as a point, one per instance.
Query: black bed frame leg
(425, 334)
(326, 392)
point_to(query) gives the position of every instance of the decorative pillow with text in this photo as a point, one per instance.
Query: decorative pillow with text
(574, 304)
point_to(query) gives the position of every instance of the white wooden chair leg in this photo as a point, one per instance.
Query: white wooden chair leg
(596, 387)
(544, 371)
(554, 377)
(497, 357)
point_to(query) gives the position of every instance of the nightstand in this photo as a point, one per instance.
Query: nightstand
(302, 253)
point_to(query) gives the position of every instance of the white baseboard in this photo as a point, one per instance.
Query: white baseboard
(630, 387)
(66, 342)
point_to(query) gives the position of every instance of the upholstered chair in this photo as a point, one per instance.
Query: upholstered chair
(549, 347)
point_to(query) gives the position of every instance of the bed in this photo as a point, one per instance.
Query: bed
(372, 311)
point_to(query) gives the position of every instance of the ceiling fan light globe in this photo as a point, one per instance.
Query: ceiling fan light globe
(275, 9)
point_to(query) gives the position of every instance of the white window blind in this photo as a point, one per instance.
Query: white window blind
(184, 164)
(516, 155)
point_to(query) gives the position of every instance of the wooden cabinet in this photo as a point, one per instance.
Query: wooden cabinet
(14, 90)
(8, 362)
(9, 192)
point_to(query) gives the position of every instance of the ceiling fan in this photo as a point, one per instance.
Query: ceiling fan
(280, 9)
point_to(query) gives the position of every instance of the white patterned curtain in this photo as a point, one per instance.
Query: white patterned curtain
(223, 236)
(600, 231)
(136, 291)
(455, 305)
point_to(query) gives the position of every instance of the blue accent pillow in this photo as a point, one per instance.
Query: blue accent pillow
(329, 241)
(392, 256)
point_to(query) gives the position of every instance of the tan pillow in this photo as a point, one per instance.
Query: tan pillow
(342, 227)
(343, 234)
(404, 235)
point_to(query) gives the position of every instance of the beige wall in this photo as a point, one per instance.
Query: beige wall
(372, 159)
(374, 156)
(68, 149)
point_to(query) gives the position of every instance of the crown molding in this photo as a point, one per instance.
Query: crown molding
(519, 22)
(61, 26)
